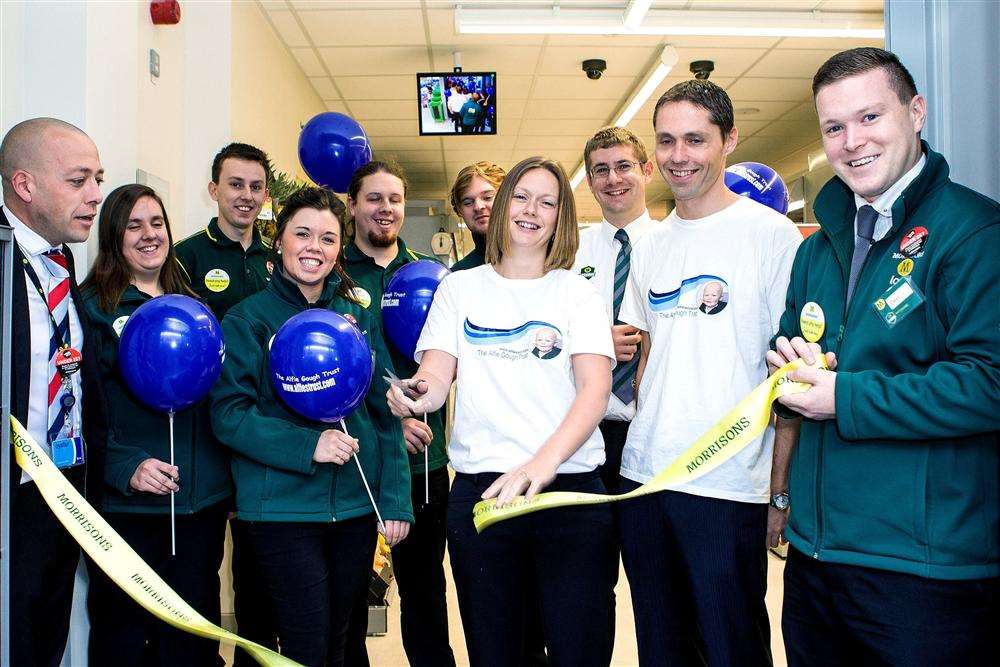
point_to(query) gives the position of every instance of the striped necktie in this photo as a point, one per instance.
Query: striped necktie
(867, 216)
(58, 303)
(624, 373)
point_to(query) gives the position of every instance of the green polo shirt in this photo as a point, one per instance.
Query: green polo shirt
(371, 280)
(220, 272)
(475, 258)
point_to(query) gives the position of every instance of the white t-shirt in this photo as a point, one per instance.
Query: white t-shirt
(710, 293)
(513, 340)
(595, 261)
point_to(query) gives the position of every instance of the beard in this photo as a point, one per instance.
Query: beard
(382, 239)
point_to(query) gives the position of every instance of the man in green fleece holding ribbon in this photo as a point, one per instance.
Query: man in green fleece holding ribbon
(895, 481)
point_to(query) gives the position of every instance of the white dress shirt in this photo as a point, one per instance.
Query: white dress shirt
(599, 251)
(33, 247)
(883, 203)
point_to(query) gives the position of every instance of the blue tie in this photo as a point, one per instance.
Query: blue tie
(862, 244)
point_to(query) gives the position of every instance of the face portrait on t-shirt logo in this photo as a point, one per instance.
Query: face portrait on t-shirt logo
(713, 298)
(533, 338)
(548, 345)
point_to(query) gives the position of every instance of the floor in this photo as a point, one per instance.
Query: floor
(387, 651)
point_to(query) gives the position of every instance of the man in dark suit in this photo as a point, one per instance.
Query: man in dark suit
(51, 189)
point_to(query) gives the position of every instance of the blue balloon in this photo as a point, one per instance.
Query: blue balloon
(171, 352)
(332, 147)
(406, 301)
(321, 365)
(760, 183)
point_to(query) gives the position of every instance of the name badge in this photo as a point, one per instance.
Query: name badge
(68, 452)
(898, 301)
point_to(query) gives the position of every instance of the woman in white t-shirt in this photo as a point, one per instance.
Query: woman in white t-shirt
(530, 345)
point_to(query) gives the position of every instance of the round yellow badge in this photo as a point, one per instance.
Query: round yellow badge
(217, 280)
(362, 296)
(812, 322)
(905, 267)
(119, 324)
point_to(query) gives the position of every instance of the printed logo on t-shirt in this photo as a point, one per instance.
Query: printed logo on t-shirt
(535, 338)
(707, 294)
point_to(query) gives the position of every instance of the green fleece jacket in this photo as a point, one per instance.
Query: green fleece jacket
(907, 476)
(273, 468)
(137, 432)
(371, 280)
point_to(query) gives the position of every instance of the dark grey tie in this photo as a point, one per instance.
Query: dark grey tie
(862, 244)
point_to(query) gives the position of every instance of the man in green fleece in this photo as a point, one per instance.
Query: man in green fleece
(376, 199)
(895, 482)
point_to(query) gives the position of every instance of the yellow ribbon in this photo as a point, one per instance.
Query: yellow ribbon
(117, 558)
(737, 429)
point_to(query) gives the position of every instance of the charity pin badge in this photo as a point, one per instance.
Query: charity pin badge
(812, 322)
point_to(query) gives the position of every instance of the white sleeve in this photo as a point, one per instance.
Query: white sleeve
(440, 331)
(787, 239)
(589, 327)
(633, 310)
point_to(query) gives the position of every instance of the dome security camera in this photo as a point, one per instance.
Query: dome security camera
(702, 69)
(594, 68)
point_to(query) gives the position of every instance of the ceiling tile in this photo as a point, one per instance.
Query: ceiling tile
(307, 60)
(363, 26)
(324, 87)
(767, 110)
(272, 4)
(409, 157)
(534, 143)
(621, 60)
(805, 111)
(828, 43)
(383, 109)
(748, 128)
(288, 28)
(783, 129)
(797, 90)
(790, 63)
(513, 87)
(392, 128)
(473, 142)
(599, 110)
(376, 60)
(571, 87)
(382, 142)
(606, 42)
(708, 41)
(573, 128)
(378, 87)
(333, 105)
(517, 60)
(728, 62)
(510, 109)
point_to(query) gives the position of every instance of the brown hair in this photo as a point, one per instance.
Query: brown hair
(608, 137)
(858, 61)
(111, 274)
(566, 238)
(320, 199)
(238, 151)
(491, 172)
(706, 95)
(388, 166)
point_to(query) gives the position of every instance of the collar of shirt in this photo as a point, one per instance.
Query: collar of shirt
(216, 235)
(353, 254)
(883, 203)
(635, 229)
(32, 244)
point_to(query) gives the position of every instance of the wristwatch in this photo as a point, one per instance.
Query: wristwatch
(780, 501)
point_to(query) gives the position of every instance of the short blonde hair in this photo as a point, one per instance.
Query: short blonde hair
(491, 172)
(609, 137)
(566, 238)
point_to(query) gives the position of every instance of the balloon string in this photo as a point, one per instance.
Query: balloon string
(173, 516)
(427, 472)
(378, 515)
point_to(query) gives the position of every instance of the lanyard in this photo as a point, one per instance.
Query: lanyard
(30, 271)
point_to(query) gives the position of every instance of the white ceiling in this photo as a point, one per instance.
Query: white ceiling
(361, 58)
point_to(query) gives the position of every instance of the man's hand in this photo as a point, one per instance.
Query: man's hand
(395, 532)
(626, 338)
(334, 447)
(416, 434)
(408, 400)
(155, 476)
(817, 402)
(796, 348)
(776, 520)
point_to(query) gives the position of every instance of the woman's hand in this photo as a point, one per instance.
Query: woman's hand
(409, 400)
(416, 435)
(155, 476)
(334, 447)
(527, 479)
(395, 532)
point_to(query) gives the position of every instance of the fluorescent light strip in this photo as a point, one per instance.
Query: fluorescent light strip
(635, 13)
(523, 21)
(668, 58)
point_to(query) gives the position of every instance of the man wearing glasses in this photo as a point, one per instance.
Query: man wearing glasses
(618, 170)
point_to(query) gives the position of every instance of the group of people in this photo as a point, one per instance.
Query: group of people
(468, 109)
(581, 361)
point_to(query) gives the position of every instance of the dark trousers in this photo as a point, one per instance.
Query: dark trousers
(314, 574)
(837, 615)
(123, 633)
(697, 568)
(418, 564)
(43, 561)
(254, 619)
(614, 433)
(566, 552)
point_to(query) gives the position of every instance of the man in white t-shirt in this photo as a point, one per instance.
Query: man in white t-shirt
(706, 291)
(618, 171)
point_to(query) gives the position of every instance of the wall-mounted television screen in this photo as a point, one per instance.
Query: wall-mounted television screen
(457, 102)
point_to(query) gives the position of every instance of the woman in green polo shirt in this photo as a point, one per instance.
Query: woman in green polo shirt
(311, 525)
(135, 262)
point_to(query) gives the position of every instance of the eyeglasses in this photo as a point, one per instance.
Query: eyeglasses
(623, 168)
